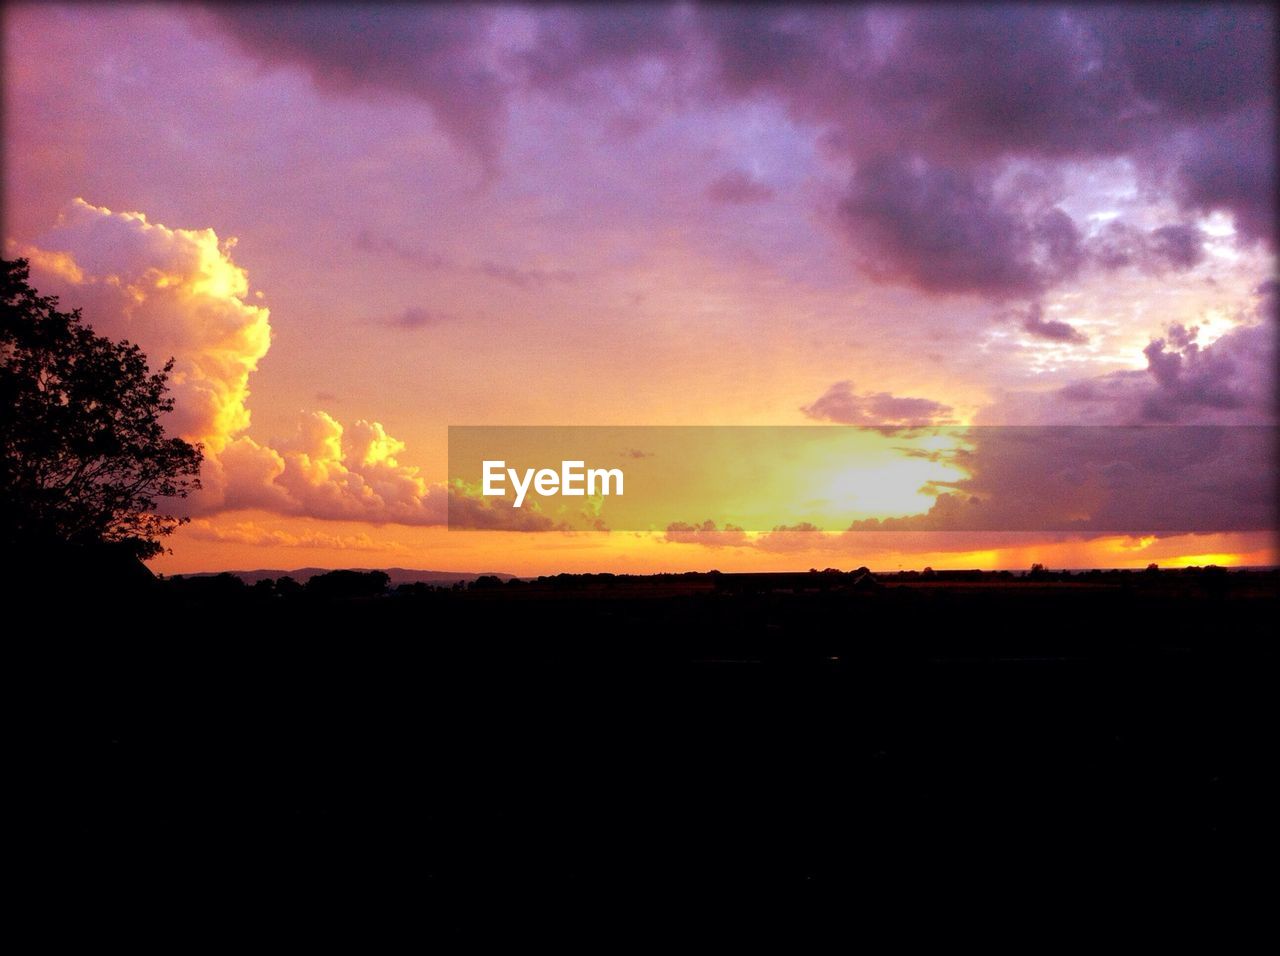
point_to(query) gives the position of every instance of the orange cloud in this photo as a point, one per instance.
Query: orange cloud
(253, 534)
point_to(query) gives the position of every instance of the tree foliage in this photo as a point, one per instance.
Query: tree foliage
(84, 458)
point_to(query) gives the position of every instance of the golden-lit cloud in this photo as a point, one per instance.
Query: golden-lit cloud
(177, 292)
(174, 292)
(255, 535)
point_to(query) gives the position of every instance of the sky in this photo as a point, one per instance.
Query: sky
(356, 226)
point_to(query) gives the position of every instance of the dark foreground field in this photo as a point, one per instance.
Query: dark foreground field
(638, 747)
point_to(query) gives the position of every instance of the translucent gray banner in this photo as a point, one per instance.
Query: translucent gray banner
(741, 479)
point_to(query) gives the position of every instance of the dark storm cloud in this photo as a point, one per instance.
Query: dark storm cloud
(1230, 164)
(1176, 247)
(1105, 479)
(1185, 92)
(1193, 60)
(977, 82)
(841, 404)
(946, 230)
(431, 53)
(573, 42)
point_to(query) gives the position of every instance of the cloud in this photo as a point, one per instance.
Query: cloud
(367, 241)
(1178, 247)
(174, 292)
(572, 44)
(525, 278)
(177, 292)
(738, 188)
(415, 317)
(1104, 479)
(805, 536)
(1230, 164)
(1187, 376)
(707, 535)
(841, 404)
(468, 509)
(1193, 61)
(255, 535)
(520, 278)
(1185, 93)
(1228, 382)
(949, 231)
(1036, 324)
(437, 55)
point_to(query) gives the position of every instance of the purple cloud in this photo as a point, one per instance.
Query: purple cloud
(434, 54)
(1228, 382)
(946, 230)
(1036, 324)
(1184, 92)
(841, 404)
(1178, 247)
(573, 42)
(1101, 479)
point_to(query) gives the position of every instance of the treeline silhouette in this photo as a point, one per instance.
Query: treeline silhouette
(350, 584)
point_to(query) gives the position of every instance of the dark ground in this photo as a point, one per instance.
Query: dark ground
(630, 750)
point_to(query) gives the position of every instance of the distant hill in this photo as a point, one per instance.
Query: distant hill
(397, 575)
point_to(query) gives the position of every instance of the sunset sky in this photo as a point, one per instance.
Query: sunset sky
(356, 226)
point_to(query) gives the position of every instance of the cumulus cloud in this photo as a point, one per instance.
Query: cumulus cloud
(174, 292)
(1230, 381)
(841, 404)
(1187, 376)
(178, 292)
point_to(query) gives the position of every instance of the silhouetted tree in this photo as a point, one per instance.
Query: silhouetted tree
(83, 455)
(287, 586)
(348, 584)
